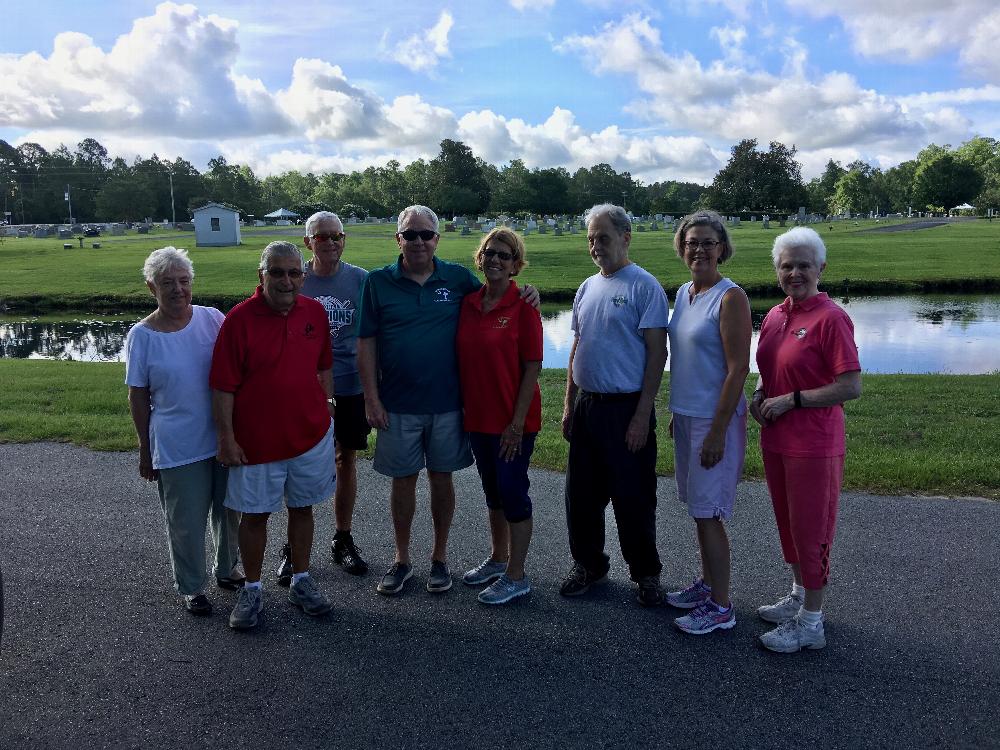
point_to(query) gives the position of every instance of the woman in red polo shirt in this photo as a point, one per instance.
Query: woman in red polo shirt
(809, 367)
(499, 344)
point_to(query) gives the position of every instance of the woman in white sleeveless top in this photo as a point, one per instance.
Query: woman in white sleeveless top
(709, 362)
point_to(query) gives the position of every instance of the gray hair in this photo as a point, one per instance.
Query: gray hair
(619, 219)
(162, 260)
(417, 210)
(319, 216)
(703, 219)
(279, 249)
(799, 237)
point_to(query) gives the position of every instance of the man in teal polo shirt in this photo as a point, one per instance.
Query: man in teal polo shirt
(409, 372)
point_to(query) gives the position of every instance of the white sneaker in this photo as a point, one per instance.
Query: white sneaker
(793, 636)
(782, 610)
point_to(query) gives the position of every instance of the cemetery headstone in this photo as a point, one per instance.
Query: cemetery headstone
(465, 230)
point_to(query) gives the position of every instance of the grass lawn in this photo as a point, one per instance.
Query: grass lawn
(922, 434)
(39, 274)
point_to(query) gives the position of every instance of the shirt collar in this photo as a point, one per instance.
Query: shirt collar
(807, 304)
(262, 308)
(397, 270)
(510, 297)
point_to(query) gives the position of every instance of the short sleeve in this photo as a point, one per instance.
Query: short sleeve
(529, 334)
(136, 372)
(227, 366)
(369, 325)
(654, 311)
(574, 319)
(839, 349)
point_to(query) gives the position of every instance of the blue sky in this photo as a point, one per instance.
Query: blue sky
(661, 89)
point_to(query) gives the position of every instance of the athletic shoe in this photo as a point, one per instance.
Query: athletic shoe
(693, 596)
(487, 571)
(306, 595)
(395, 578)
(650, 591)
(197, 604)
(503, 590)
(793, 636)
(347, 555)
(285, 566)
(783, 610)
(439, 580)
(706, 618)
(246, 613)
(579, 580)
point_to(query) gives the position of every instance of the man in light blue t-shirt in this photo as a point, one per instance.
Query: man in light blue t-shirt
(336, 285)
(615, 368)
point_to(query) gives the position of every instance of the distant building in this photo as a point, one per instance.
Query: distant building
(216, 225)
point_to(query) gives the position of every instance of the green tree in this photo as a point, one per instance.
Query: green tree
(756, 180)
(458, 183)
(124, 197)
(944, 180)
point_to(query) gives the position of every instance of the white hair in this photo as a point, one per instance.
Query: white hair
(279, 249)
(799, 237)
(319, 216)
(162, 260)
(417, 210)
(619, 218)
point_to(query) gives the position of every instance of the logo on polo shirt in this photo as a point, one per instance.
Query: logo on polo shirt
(442, 295)
(502, 322)
(309, 330)
(799, 334)
(619, 300)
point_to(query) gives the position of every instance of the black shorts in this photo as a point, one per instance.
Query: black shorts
(350, 426)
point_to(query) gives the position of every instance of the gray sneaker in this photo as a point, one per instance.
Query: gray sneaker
(306, 596)
(503, 590)
(793, 636)
(395, 578)
(246, 613)
(439, 580)
(783, 610)
(488, 570)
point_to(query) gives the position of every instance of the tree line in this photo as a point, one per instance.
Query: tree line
(34, 183)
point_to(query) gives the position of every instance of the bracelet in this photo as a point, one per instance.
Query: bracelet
(798, 399)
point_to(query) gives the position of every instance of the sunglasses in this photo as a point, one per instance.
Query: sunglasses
(280, 273)
(501, 254)
(425, 234)
(335, 237)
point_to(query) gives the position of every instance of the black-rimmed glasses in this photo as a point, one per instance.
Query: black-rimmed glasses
(501, 254)
(425, 234)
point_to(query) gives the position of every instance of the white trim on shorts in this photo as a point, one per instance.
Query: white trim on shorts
(708, 493)
(306, 479)
(413, 441)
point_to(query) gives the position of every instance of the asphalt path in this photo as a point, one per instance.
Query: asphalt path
(98, 652)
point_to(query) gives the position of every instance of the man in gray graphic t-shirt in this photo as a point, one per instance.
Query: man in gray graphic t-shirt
(336, 285)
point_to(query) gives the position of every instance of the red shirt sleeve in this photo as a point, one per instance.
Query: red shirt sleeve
(227, 358)
(529, 335)
(839, 349)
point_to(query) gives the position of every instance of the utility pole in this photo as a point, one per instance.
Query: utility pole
(173, 213)
(70, 203)
(623, 199)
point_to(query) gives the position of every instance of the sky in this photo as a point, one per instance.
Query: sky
(661, 89)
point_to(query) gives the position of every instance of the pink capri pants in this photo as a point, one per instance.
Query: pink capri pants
(805, 493)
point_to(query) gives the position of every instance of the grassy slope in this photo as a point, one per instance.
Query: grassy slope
(41, 271)
(933, 434)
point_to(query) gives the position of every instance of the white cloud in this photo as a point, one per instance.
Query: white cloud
(726, 101)
(422, 52)
(523, 5)
(172, 73)
(919, 29)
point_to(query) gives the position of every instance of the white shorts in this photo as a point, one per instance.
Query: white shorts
(708, 493)
(301, 481)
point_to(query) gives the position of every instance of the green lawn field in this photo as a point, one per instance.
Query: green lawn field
(40, 274)
(907, 434)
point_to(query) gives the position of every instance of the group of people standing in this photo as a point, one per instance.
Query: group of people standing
(267, 406)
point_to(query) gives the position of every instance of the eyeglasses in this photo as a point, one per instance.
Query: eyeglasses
(501, 254)
(425, 234)
(335, 237)
(706, 244)
(280, 273)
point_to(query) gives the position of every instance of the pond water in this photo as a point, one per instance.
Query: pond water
(913, 334)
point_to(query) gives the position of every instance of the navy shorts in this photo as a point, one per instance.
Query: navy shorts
(505, 483)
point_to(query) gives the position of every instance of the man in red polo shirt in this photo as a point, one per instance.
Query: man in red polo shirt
(272, 397)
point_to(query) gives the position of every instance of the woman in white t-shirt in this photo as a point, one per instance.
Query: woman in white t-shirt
(709, 333)
(167, 358)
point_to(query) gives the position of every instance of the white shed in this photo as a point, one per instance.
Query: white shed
(216, 225)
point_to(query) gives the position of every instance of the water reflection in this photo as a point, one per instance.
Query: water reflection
(941, 333)
(946, 334)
